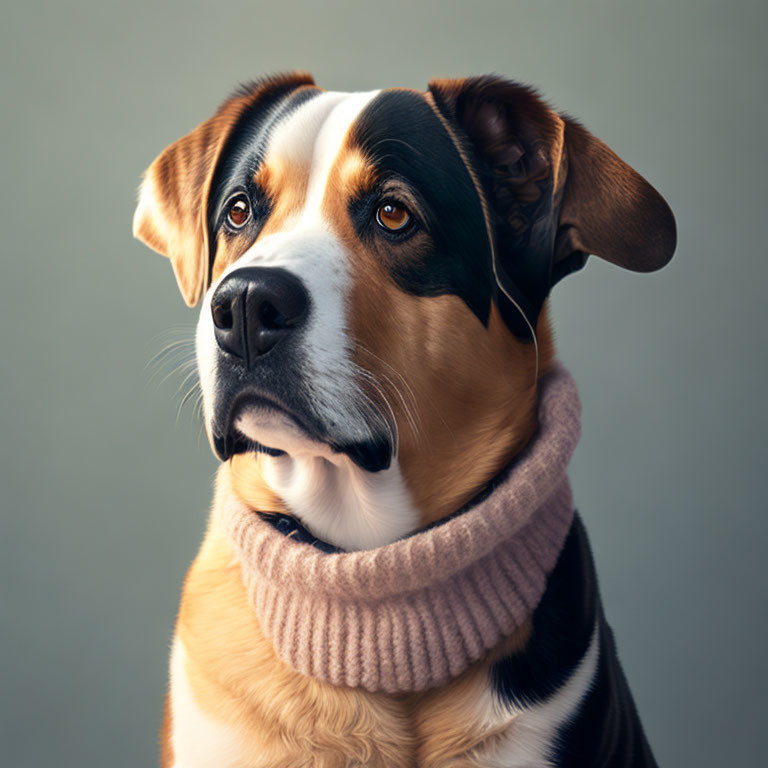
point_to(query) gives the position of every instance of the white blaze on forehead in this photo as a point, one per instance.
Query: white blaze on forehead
(329, 144)
(293, 139)
(313, 136)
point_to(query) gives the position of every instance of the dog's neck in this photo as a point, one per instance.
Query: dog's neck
(433, 476)
(458, 463)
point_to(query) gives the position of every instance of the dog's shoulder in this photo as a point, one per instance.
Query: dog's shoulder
(569, 672)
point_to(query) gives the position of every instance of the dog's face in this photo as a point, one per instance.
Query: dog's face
(373, 265)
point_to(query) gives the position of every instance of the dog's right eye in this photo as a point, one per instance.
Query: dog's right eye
(238, 211)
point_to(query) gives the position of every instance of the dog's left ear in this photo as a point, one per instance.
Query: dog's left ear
(556, 193)
(171, 217)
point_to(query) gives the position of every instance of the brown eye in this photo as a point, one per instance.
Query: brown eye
(393, 217)
(238, 211)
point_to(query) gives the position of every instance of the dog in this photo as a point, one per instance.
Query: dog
(375, 354)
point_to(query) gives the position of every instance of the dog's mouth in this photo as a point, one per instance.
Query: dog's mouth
(238, 432)
(258, 423)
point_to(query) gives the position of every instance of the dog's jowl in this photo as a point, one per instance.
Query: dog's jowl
(393, 573)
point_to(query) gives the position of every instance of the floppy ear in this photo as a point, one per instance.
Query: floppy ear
(172, 213)
(554, 193)
(610, 210)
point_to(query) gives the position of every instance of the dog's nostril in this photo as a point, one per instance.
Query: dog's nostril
(270, 317)
(222, 316)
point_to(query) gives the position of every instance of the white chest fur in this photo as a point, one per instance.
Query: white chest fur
(529, 733)
(198, 740)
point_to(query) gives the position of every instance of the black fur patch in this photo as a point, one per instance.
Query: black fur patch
(404, 139)
(563, 623)
(243, 153)
(606, 730)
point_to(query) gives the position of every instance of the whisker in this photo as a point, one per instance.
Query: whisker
(181, 368)
(185, 380)
(389, 419)
(407, 399)
(191, 391)
(168, 349)
(178, 357)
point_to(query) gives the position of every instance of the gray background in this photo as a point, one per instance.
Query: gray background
(104, 492)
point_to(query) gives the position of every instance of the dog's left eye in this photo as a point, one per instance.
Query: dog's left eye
(238, 211)
(393, 217)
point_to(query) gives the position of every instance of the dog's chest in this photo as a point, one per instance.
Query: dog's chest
(462, 725)
(234, 703)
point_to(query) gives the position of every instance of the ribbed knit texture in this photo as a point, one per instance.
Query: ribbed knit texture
(414, 614)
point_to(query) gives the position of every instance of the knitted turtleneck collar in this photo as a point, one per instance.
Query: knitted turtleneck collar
(415, 613)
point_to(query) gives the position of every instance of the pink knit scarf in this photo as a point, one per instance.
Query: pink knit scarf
(414, 614)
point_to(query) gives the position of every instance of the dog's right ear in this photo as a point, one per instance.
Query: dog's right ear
(172, 213)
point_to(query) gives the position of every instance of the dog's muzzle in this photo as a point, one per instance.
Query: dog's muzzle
(260, 319)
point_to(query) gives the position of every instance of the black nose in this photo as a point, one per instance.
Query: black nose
(254, 308)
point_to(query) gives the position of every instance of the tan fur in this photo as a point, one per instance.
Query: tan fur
(283, 719)
(166, 731)
(286, 186)
(355, 174)
(246, 480)
(228, 250)
(448, 721)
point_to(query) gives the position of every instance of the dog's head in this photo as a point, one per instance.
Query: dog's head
(374, 266)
